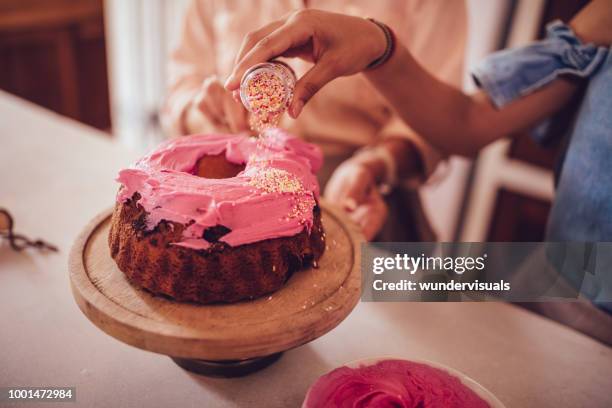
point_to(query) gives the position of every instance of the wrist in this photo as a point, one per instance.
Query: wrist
(380, 42)
(374, 167)
(379, 163)
(407, 156)
(385, 36)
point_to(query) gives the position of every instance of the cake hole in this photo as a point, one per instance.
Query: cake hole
(217, 167)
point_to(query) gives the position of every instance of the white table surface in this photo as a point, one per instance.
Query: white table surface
(56, 174)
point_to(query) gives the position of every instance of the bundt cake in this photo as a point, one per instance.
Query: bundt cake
(219, 218)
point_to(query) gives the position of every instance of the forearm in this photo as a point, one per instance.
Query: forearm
(430, 107)
(451, 120)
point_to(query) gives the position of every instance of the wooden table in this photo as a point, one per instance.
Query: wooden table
(56, 174)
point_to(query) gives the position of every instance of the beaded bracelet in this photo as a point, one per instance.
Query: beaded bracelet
(390, 37)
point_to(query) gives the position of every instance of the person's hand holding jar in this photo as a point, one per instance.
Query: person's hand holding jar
(338, 44)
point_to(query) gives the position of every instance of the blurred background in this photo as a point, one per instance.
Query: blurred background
(104, 63)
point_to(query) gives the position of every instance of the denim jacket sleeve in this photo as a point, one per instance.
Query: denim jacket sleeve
(510, 74)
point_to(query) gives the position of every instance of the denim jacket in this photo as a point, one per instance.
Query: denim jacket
(582, 208)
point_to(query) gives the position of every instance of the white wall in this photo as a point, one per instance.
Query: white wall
(495, 170)
(140, 35)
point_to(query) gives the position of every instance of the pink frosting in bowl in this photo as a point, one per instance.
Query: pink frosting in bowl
(397, 383)
(274, 196)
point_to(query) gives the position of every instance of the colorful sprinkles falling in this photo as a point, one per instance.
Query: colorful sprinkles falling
(266, 90)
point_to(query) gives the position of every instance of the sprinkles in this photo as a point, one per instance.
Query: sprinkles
(301, 208)
(273, 180)
(266, 90)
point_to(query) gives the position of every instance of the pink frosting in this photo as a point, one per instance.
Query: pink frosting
(254, 205)
(391, 383)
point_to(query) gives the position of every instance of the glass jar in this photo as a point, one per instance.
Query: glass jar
(266, 90)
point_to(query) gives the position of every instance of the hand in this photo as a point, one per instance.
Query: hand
(353, 187)
(218, 106)
(339, 45)
(371, 215)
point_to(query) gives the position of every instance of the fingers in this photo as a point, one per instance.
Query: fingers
(353, 186)
(235, 114)
(319, 75)
(357, 192)
(254, 37)
(272, 45)
(371, 215)
(208, 101)
(220, 108)
(335, 189)
(349, 186)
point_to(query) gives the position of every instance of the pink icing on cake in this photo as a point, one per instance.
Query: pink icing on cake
(391, 383)
(273, 197)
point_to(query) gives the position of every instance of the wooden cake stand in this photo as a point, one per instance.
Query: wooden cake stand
(220, 339)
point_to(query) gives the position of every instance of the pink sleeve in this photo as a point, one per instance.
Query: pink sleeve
(437, 37)
(190, 63)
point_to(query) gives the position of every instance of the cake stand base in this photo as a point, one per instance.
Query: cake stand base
(226, 368)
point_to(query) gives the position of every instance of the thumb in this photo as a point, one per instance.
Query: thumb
(357, 192)
(371, 216)
(310, 83)
(235, 114)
